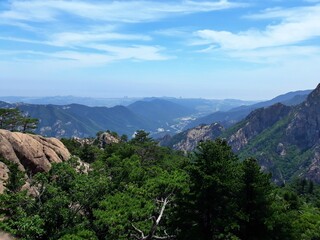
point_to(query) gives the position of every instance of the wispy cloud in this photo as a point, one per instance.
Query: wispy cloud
(81, 38)
(110, 54)
(114, 11)
(78, 26)
(102, 55)
(276, 55)
(294, 27)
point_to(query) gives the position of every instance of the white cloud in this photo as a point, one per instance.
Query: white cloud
(114, 11)
(138, 52)
(276, 55)
(278, 40)
(75, 25)
(290, 31)
(111, 54)
(174, 32)
(103, 54)
(81, 38)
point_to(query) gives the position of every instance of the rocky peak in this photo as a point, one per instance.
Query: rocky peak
(30, 152)
(198, 134)
(107, 138)
(256, 122)
(314, 97)
(304, 128)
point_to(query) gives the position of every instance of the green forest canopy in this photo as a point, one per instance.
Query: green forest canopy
(138, 190)
(14, 120)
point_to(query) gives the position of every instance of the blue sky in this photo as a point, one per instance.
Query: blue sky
(190, 48)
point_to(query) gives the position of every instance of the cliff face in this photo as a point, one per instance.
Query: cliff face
(31, 152)
(256, 122)
(188, 140)
(285, 140)
(196, 135)
(304, 128)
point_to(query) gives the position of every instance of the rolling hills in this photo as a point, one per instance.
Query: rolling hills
(158, 116)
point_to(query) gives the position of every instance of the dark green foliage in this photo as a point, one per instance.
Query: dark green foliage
(86, 151)
(256, 201)
(9, 118)
(14, 120)
(18, 208)
(215, 185)
(16, 177)
(89, 153)
(72, 144)
(141, 137)
(208, 195)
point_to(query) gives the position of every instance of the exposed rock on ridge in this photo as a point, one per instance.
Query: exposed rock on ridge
(286, 141)
(198, 134)
(31, 152)
(304, 129)
(256, 122)
(189, 139)
(107, 138)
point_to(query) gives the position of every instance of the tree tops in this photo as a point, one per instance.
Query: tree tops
(14, 120)
(138, 190)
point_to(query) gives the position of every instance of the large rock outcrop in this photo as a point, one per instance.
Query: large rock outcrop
(285, 140)
(256, 122)
(304, 129)
(31, 152)
(188, 140)
(196, 135)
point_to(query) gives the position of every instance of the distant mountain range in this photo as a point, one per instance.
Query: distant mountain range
(81, 121)
(159, 116)
(234, 115)
(154, 115)
(200, 105)
(282, 133)
(66, 100)
(160, 112)
(284, 138)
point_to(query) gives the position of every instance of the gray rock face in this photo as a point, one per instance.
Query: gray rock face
(256, 122)
(198, 134)
(313, 171)
(4, 175)
(293, 142)
(284, 139)
(107, 138)
(304, 129)
(31, 152)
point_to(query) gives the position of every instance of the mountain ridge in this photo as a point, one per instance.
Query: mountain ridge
(234, 115)
(284, 139)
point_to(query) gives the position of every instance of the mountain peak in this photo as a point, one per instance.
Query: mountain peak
(314, 96)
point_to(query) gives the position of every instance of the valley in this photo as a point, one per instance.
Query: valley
(159, 116)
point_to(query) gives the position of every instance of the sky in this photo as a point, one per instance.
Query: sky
(250, 49)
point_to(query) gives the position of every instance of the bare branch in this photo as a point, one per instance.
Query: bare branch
(139, 231)
(165, 237)
(165, 202)
(156, 221)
